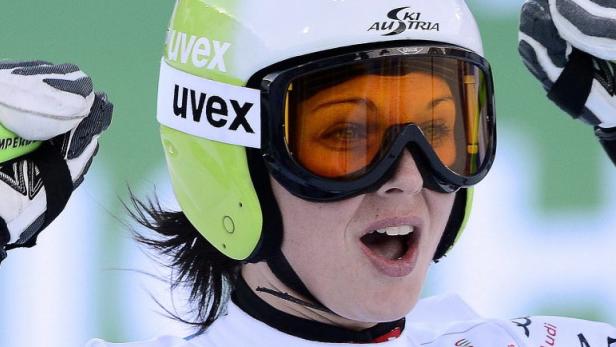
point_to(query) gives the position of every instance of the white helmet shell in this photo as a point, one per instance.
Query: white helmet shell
(258, 33)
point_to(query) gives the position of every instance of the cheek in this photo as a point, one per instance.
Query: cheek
(316, 242)
(312, 228)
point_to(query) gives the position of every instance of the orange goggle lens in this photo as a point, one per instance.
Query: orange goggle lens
(341, 121)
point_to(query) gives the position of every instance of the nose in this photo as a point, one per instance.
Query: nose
(406, 178)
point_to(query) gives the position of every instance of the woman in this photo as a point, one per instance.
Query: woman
(323, 158)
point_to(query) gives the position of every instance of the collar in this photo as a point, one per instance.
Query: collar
(306, 329)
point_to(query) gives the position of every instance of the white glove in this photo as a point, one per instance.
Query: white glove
(570, 46)
(565, 44)
(589, 25)
(55, 104)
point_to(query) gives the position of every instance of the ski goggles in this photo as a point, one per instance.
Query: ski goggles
(336, 127)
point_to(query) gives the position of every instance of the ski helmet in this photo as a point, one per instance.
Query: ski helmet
(224, 101)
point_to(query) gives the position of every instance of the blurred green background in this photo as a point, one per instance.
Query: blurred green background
(119, 43)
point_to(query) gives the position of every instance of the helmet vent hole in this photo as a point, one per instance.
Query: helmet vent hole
(224, 246)
(241, 205)
(228, 224)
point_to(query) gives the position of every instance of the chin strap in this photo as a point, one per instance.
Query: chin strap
(291, 298)
(281, 268)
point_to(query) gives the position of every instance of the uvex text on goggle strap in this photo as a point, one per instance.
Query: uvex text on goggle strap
(336, 127)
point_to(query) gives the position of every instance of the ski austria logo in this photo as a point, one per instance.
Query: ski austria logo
(209, 109)
(402, 19)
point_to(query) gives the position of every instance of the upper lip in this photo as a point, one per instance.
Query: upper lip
(415, 222)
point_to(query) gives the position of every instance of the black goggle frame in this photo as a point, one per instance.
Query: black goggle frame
(273, 83)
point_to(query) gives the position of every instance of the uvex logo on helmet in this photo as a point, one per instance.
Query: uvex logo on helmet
(402, 19)
(209, 109)
(217, 109)
(201, 52)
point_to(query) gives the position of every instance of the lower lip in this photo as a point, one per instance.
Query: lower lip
(394, 267)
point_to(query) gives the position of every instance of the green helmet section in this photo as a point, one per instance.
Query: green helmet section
(212, 184)
(197, 33)
(210, 179)
(13, 146)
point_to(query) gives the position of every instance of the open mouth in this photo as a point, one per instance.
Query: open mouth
(391, 243)
(393, 250)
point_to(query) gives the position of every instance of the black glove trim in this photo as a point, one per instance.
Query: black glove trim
(5, 237)
(573, 86)
(607, 137)
(56, 179)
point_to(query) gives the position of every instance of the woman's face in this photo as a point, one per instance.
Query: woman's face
(346, 252)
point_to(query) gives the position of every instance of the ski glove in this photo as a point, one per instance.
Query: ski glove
(570, 46)
(56, 105)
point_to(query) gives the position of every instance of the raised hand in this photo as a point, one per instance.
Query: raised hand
(569, 46)
(50, 121)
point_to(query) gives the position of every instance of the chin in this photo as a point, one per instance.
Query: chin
(378, 309)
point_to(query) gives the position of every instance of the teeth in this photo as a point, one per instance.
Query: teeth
(395, 231)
